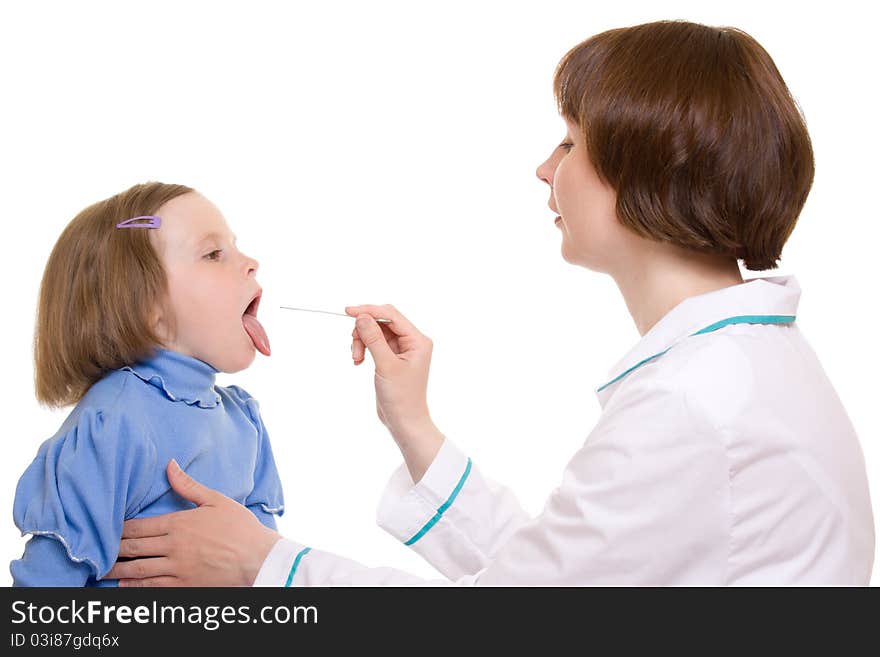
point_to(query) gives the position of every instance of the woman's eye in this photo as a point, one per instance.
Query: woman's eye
(566, 145)
(214, 255)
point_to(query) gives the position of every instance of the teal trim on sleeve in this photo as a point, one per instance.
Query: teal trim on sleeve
(296, 561)
(443, 507)
(741, 319)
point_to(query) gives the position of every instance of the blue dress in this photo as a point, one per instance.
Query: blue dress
(106, 464)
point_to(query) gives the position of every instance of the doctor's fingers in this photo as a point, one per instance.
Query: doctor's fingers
(140, 569)
(151, 546)
(155, 526)
(359, 348)
(157, 582)
(400, 325)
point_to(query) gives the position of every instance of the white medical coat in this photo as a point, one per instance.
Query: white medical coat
(722, 456)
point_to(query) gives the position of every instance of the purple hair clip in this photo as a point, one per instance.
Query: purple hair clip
(154, 222)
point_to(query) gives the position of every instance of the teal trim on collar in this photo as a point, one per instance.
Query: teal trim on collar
(740, 319)
(296, 561)
(443, 507)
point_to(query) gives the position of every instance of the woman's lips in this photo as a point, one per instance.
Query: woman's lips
(557, 220)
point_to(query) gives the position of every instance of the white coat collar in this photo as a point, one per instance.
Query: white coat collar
(767, 300)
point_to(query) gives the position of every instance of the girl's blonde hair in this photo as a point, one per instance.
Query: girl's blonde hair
(99, 292)
(696, 131)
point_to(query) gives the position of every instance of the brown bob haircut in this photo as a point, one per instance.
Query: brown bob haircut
(99, 290)
(696, 131)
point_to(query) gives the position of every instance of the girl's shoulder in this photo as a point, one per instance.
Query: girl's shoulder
(236, 393)
(108, 391)
(112, 405)
(240, 397)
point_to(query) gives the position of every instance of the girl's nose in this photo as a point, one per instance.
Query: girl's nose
(251, 265)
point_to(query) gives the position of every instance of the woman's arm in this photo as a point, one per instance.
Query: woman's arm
(402, 355)
(453, 517)
(221, 543)
(645, 501)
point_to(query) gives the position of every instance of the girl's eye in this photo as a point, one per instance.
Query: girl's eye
(566, 145)
(214, 255)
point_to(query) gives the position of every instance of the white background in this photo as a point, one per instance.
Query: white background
(385, 153)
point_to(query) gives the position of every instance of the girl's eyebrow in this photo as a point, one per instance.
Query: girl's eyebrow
(215, 235)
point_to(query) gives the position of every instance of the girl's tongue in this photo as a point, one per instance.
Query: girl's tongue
(257, 333)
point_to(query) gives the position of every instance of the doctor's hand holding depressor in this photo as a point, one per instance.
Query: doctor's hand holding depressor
(402, 355)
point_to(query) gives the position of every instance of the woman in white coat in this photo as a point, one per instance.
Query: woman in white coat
(722, 456)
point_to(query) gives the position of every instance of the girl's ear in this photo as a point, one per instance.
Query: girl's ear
(159, 325)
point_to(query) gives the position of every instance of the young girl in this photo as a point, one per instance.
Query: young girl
(145, 297)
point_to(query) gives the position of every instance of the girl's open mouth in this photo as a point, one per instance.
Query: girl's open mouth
(253, 327)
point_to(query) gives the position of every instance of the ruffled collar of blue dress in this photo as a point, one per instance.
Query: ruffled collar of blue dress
(181, 378)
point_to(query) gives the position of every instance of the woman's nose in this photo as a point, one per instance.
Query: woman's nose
(545, 172)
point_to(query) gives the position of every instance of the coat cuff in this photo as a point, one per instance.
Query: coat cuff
(408, 511)
(280, 565)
